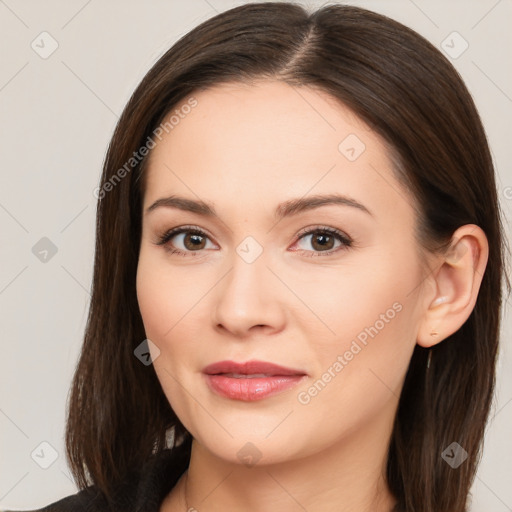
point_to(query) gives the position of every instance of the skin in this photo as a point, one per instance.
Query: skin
(245, 149)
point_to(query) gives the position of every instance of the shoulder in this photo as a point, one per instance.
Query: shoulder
(145, 489)
(86, 500)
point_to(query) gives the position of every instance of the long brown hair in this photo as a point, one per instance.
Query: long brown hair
(408, 92)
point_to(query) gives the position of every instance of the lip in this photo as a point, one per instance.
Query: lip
(262, 379)
(250, 368)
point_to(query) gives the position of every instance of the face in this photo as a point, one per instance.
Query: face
(328, 289)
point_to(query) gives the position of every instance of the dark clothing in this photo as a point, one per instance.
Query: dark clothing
(143, 492)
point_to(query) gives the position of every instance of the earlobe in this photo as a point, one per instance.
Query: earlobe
(457, 283)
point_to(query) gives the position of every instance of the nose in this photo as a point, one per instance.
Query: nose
(249, 298)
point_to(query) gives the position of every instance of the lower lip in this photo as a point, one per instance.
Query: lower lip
(251, 389)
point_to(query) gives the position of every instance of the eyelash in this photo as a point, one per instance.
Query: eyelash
(344, 239)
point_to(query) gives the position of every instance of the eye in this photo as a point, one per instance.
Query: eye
(192, 238)
(323, 239)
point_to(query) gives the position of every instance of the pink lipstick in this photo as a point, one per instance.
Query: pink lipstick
(251, 380)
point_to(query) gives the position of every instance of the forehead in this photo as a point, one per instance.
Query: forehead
(268, 140)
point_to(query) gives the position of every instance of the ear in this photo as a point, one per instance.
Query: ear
(456, 283)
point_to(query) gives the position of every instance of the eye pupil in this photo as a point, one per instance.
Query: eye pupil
(195, 239)
(324, 239)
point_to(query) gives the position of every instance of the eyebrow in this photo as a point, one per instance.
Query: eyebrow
(285, 209)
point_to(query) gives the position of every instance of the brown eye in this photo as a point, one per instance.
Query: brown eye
(193, 241)
(184, 240)
(323, 240)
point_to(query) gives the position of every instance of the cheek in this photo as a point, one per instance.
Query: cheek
(165, 295)
(174, 310)
(149, 297)
(369, 324)
(359, 374)
(164, 314)
(365, 292)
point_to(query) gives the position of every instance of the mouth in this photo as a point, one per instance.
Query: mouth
(251, 380)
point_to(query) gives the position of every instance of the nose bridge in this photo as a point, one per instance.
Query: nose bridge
(248, 295)
(245, 283)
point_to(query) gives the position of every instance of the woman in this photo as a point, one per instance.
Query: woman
(297, 281)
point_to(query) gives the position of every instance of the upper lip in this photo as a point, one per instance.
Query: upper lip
(249, 368)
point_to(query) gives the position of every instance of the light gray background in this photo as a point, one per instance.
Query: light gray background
(57, 116)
